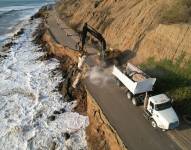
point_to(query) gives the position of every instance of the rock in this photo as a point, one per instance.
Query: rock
(64, 90)
(8, 45)
(56, 112)
(62, 110)
(66, 135)
(52, 118)
(39, 35)
(20, 32)
(42, 11)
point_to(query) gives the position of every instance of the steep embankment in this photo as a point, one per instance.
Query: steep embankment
(99, 134)
(147, 27)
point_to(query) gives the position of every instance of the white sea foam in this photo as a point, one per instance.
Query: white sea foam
(14, 29)
(3, 37)
(28, 98)
(11, 8)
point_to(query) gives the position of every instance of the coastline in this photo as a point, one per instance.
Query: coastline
(69, 98)
(19, 30)
(99, 134)
(15, 16)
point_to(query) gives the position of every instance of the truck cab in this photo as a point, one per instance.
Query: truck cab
(161, 113)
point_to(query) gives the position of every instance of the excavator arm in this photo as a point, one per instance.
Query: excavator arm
(96, 34)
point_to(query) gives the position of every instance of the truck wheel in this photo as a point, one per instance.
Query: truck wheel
(153, 123)
(129, 95)
(134, 101)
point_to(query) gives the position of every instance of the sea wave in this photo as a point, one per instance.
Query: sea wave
(28, 99)
(13, 11)
(3, 37)
(17, 8)
(27, 12)
(14, 30)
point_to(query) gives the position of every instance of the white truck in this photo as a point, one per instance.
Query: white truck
(157, 108)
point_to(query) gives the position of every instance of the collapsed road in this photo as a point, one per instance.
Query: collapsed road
(133, 129)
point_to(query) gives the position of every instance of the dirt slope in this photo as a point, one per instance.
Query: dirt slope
(137, 25)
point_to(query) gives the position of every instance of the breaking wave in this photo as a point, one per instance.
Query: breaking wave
(2, 14)
(16, 8)
(28, 99)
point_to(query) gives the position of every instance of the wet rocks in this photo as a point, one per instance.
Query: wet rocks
(66, 136)
(56, 112)
(39, 34)
(63, 110)
(9, 43)
(52, 118)
(20, 32)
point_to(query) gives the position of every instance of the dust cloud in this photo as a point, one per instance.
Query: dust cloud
(98, 76)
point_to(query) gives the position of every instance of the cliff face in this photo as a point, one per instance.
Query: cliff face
(136, 25)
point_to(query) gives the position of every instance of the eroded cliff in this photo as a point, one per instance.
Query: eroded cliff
(146, 27)
(99, 133)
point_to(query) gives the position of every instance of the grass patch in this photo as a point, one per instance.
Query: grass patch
(178, 12)
(173, 79)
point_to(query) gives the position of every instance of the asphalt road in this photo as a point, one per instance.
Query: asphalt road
(133, 129)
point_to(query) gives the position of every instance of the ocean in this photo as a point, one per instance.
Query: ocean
(28, 89)
(13, 13)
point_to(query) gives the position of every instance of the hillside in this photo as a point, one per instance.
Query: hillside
(157, 32)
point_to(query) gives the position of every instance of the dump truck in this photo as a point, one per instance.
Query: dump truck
(138, 86)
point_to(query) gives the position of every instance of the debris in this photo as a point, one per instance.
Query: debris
(76, 81)
(81, 61)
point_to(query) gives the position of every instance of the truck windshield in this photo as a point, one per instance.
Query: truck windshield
(162, 106)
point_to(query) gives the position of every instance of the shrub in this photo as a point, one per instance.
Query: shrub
(173, 79)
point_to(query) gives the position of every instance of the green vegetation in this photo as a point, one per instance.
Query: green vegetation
(174, 79)
(179, 11)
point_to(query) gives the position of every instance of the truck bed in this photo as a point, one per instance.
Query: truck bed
(145, 84)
